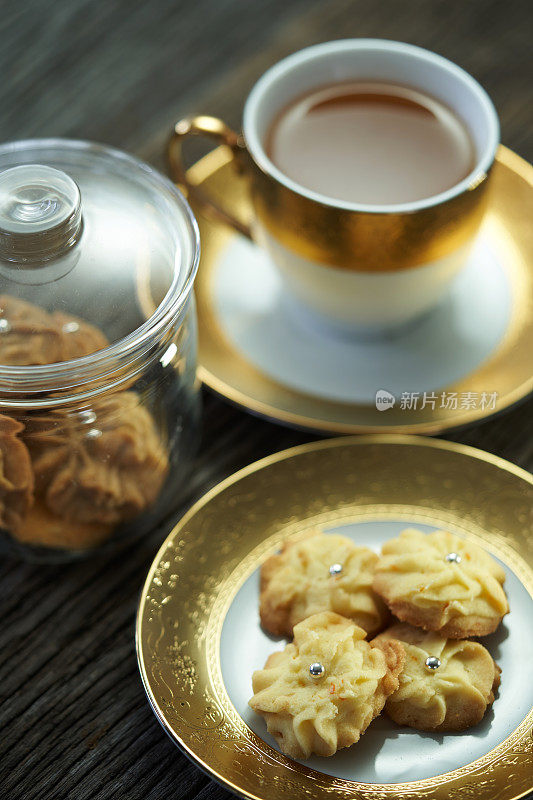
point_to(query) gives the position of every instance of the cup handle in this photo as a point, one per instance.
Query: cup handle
(212, 128)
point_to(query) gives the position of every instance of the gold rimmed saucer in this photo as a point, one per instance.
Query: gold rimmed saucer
(505, 372)
(199, 638)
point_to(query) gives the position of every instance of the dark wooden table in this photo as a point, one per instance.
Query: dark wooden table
(75, 721)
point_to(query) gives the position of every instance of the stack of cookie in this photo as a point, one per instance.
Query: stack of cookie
(69, 476)
(324, 689)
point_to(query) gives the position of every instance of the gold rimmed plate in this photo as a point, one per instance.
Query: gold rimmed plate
(469, 359)
(199, 638)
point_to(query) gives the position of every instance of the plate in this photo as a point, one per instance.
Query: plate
(199, 639)
(469, 359)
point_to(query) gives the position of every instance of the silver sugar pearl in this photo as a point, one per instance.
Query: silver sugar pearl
(5, 327)
(432, 662)
(71, 327)
(453, 558)
(335, 569)
(316, 670)
(94, 433)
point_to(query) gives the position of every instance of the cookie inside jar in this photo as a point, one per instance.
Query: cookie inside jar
(72, 475)
(99, 403)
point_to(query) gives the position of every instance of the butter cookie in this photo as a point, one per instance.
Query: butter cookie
(320, 572)
(323, 690)
(440, 582)
(445, 684)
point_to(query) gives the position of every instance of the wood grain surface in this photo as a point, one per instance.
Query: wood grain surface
(75, 721)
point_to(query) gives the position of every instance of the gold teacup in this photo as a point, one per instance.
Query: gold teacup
(355, 267)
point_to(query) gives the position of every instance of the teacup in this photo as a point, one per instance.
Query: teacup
(355, 267)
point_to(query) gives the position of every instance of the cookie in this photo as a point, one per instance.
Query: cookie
(31, 336)
(440, 582)
(102, 465)
(41, 528)
(78, 338)
(324, 689)
(16, 475)
(320, 572)
(445, 684)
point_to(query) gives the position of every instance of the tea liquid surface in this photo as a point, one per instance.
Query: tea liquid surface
(371, 143)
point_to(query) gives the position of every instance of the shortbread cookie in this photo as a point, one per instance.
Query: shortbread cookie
(320, 572)
(324, 689)
(78, 337)
(440, 582)
(445, 684)
(102, 465)
(41, 528)
(31, 336)
(16, 475)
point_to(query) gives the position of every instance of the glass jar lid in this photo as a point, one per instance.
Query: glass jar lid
(90, 235)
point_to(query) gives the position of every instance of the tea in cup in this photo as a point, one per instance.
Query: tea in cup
(368, 164)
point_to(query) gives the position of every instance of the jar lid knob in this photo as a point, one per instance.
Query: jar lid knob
(40, 214)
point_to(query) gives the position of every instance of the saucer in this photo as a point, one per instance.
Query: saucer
(466, 360)
(199, 636)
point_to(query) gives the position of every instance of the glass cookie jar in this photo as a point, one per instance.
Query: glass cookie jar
(99, 403)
